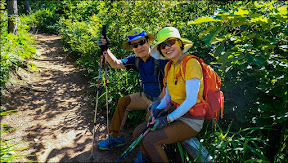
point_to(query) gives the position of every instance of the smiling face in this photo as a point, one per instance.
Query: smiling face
(142, 51)
(170, 50)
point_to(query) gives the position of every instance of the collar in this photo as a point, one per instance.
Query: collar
(180, 59)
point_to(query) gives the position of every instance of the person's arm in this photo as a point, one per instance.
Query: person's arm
(192, 88)
(112, 60)
(165, 100)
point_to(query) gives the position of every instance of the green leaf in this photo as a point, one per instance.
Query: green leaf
(203, 20)
(242, 12)
(224, 58)
(33, 67)
(209, 37)
(259, 19)
(219, 49)
(283, 10)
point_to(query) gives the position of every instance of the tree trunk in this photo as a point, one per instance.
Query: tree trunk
(12, 16)
(28, 7)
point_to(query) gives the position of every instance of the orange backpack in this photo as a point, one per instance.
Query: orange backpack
(212, 101)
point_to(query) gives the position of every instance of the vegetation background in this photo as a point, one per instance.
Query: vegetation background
(244, 41)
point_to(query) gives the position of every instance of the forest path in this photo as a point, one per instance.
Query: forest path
(55, 113)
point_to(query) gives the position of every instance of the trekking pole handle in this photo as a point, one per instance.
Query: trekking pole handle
(104, 31)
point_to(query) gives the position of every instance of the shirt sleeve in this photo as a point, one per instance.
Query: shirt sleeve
(192, 88)
(129, 62)
(193, 70)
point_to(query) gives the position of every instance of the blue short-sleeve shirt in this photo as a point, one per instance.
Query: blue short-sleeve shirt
(150, 79)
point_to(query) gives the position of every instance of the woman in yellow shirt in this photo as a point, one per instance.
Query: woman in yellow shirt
(181, 94)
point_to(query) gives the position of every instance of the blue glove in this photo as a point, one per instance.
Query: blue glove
(160, 123)
(154, 114)
(100, 43)
(153, 106)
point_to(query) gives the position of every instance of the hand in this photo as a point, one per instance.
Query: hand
(153, 116)
(102, 41)
(160, 123)
(153, 106)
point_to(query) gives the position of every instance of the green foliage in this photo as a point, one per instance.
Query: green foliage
(249, 42)
(240, 146)
(45, 20)
(16, 50)
(3, 17)
(251, 51)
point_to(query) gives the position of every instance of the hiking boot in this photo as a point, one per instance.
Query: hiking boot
(141, 158)
(114, 142)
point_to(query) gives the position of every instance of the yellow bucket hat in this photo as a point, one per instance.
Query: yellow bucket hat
(135, 34)
(164, 34)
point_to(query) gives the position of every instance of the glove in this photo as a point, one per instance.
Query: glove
(154, 114)
(153, 106)
(160, 123)
(102, 41)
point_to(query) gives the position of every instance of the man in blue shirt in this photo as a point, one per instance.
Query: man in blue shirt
(151, 73)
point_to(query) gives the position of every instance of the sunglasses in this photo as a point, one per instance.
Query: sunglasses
(168, 43)
(135, 45)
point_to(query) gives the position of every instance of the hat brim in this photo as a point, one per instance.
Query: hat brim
(156, 54)
(126, 45)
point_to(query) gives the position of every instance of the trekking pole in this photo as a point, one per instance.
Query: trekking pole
(132, 146)
(105, 65)
(97, 94)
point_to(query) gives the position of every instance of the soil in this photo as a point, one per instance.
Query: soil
(55, 111)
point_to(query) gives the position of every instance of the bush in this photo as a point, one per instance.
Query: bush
(15, 51)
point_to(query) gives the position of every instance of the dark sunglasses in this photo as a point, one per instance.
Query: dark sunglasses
(135, 45)
(168, 43)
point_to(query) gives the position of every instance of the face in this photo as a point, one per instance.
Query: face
(171, 49)
(141, 47)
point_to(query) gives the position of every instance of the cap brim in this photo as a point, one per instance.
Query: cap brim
(156, 54)
(126, 45)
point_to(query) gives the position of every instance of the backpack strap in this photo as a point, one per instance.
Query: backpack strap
(137, 61)
(183, 71)
(158, 73)
(168, 66)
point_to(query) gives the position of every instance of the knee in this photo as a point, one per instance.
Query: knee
(137, 132)
(148, 141)
(123, 102)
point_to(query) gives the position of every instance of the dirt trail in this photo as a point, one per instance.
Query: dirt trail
(55, 112)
